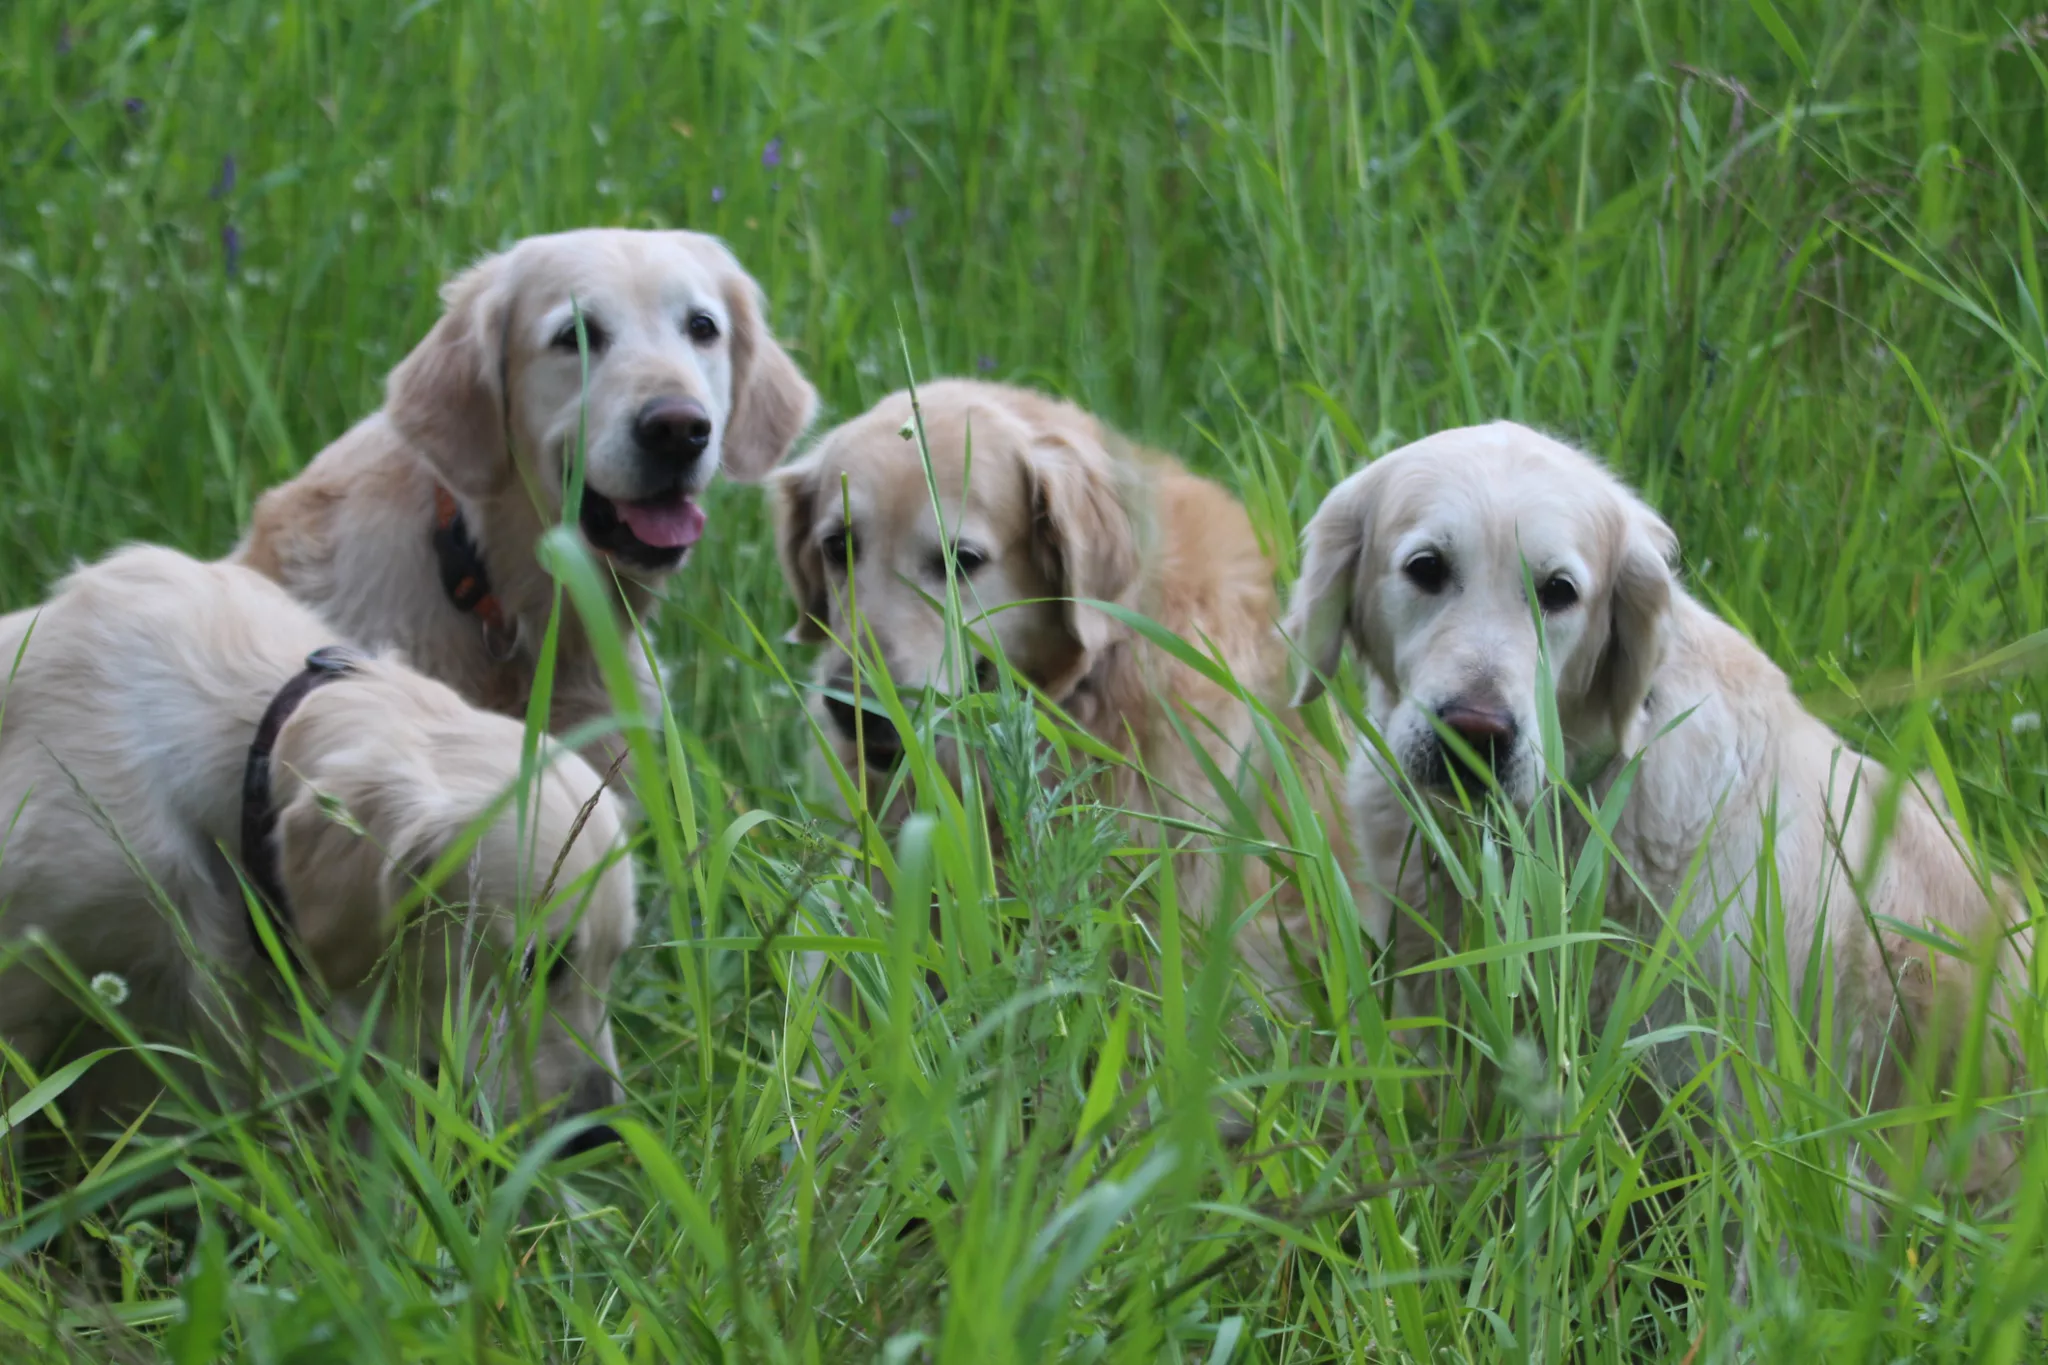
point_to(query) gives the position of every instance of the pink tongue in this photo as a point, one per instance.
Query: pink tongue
(669, 523)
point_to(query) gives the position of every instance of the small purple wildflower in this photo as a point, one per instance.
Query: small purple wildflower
(64, 40)
(231, 249)
(224, 186)
(901, 216)
(771, 155)
(985, 363)
(134, 106)
(718, 194)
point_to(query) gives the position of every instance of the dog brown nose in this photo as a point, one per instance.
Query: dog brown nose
(1487, 730)
(1479, 726)
(675, 429)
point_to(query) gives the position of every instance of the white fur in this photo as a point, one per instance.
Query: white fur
(1633, 658)
(122, 746)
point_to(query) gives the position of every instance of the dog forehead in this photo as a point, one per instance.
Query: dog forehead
(601, 907)
(883, 471)
(603, 917)
(1502, 486)
(617, 268)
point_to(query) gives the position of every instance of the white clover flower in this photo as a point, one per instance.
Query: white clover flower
(111, 987)
(2026, 722)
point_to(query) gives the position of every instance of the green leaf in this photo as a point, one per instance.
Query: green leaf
(1781, 33)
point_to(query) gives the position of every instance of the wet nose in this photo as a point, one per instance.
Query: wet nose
(877, 734)
(590, 1139)
(1478, 725)
(1487, 728)
(675, 429)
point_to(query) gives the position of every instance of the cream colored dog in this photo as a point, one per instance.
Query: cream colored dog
(1419, 561)
(125, 739)
(1056, 508)
(418, 527)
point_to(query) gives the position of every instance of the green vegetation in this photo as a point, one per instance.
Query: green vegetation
(1778, 262)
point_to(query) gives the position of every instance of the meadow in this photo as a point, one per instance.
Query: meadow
(1777, 261)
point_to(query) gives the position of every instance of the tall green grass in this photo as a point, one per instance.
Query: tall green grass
(1778, 262)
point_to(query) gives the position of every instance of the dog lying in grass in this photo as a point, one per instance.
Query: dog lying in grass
(1436, 563)
(1051, 509)
(161, 725)
(418, 527)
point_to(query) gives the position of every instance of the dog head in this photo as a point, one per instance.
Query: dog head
(1419, 560)
(382, 775)
(683, 379)
(1029, 509)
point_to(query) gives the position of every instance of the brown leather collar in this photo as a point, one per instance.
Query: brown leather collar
(463, 576)
(259, 815)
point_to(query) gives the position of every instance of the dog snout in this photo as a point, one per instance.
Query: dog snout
(590, 1139)
(1487, 728)
(673, 429)
(595, 1089)
(876, 734)
(1480, 725)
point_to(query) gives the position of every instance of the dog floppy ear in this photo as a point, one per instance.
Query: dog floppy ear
(793, 492)
(446, 399)
(1637, 602)
(1082, 531)
(344, 870)
(772, 402)
(1334, 548)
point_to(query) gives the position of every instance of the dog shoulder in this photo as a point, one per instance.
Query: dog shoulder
(1211, 582)
(363, 477)
(1214, 573)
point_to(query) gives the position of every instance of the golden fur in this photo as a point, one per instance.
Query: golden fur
(124, 735)
(351, 536)
(1058, 508)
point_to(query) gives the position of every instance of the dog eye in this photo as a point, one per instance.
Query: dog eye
(702, 327)
(1428, 571)
(1557, 594)
(839, 546)
(966, 561)
(558, 970)
(593, 335)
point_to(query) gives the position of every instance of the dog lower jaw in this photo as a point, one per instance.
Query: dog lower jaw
(607, 533)
(1449, 781)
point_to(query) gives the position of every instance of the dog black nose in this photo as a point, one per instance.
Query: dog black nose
(877, 734)
(675, 429)
(590, 1139)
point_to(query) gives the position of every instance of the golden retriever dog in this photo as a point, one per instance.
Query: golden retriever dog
(165, 722)
(1052, 509)
(418, 527)
(1419, 561)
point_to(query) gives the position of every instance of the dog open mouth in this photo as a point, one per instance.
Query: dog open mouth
(647, 533)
